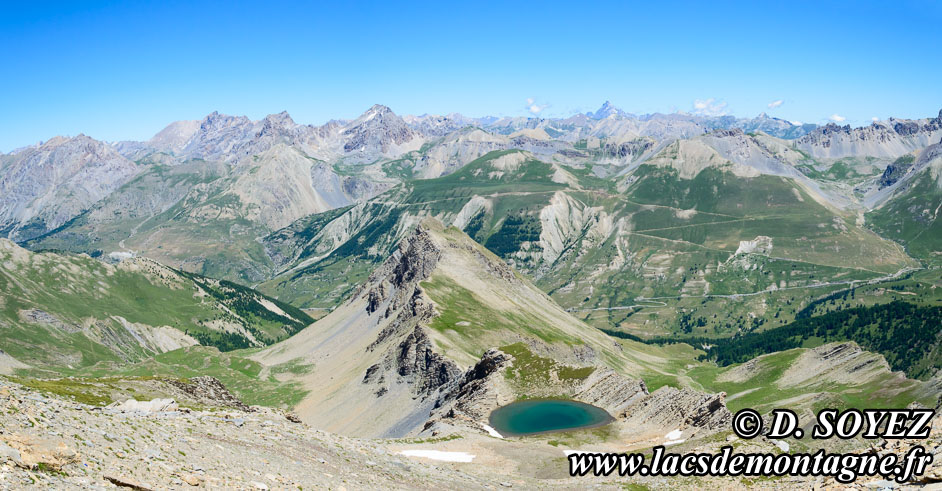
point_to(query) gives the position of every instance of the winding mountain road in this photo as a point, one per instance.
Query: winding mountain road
(872, 281)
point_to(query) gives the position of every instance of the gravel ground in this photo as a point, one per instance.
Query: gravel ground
(51, 442)
(48, 441)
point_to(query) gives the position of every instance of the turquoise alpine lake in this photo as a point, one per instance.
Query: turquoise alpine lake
(546, 415)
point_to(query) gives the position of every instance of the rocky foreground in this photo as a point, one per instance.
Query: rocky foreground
(51, 441)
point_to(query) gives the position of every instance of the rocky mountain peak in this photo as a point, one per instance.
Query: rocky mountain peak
(375, 112)
(215, 121)
(230, 138)
(51, 183)
(281, 119)
(212, 117)
(379, 129)
(832, 128)
(397, 279)
(279, 125)
(607, 109)
(379, 109)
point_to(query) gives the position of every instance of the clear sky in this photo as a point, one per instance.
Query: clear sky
(123, 70)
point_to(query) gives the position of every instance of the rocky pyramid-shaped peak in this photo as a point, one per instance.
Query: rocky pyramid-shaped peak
(378, 130)
(607, 109)
(377, 110)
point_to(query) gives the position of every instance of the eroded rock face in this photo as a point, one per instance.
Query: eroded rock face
(632, 148)
(417, 359)
(479, 391)
(672, 407)
(396, 292)
(610, 391)
(932, 152)
(482, 389)
(894, 172)
(415, 362)
(397, 279)
(37, 316)
(395, 289)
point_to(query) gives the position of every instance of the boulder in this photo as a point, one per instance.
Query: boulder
(31, 452)
(151, 406)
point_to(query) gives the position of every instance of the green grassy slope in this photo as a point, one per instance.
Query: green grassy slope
(62, 310)
(661, 235)
(782, 380)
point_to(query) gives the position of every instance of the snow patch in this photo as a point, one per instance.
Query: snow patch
(491, 431)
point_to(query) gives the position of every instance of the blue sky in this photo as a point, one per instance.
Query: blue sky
(124, 70)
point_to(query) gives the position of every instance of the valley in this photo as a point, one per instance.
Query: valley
(367, 287)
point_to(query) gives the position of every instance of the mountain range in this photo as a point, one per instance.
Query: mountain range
(400, 278)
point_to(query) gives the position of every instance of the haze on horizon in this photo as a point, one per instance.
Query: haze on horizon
(123, 72)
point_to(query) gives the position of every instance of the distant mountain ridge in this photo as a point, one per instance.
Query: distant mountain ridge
(201, 195)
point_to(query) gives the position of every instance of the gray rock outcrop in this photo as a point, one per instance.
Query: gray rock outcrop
(210, 391)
